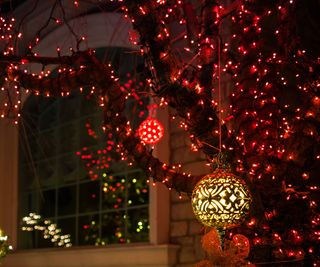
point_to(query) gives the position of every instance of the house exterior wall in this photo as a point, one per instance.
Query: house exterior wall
(185, 230)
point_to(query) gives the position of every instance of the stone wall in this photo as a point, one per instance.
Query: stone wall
(184, 229)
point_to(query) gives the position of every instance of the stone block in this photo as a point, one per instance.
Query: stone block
(175, 125)
(184, 155)
(187, 255)
(178, 229)
(185, 265)
(178, 140)
(198, 167)
(195, 228)
(181, 211)
(183, 240)
(175, 197)
(199, 252)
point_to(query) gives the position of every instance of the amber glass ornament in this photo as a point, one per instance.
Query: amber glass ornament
(221, 199)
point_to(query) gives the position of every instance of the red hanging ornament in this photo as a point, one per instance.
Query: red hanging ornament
(150, 131)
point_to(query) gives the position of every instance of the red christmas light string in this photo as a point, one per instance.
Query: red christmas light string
(113, 103)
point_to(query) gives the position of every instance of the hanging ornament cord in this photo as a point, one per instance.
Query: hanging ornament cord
(219, 93)
(220, 159)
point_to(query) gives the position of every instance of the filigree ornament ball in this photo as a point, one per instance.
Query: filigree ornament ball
(220, 200)
(150, 131)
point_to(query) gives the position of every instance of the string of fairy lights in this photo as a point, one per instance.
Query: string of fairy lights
(269, 101)
(272, 134)
(49, 230)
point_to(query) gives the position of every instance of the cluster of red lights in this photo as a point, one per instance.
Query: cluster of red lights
(150, 131)
(263, 121)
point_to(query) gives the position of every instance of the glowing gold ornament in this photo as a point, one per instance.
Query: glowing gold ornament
(220, 199)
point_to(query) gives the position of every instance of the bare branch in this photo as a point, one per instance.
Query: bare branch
(62, 60)
(230, 8)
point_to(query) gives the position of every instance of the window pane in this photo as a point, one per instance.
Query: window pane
(26, 177)
(55, 181)
(67, 200)
(138, 225)
(29, 201)
(68, 138)
(27, 240)
(68, 108)
(89, 230)
(41, 242)
(46, 172)
(48, 141)
(113, 228)
(68, 227)
(48, 203)
(114, 192)
(138, 193)
(67, 168)
(89, 195)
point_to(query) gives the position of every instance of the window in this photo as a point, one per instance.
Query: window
(99, 28)
(108, 207)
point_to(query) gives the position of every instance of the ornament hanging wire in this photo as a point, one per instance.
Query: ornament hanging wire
(219, 161)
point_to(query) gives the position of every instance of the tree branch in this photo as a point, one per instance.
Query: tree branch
(62, 60)
(230, 8)
(100, 75)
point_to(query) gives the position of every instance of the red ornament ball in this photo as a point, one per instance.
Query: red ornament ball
(150, 131)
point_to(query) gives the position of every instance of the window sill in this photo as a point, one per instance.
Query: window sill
(124, 256)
